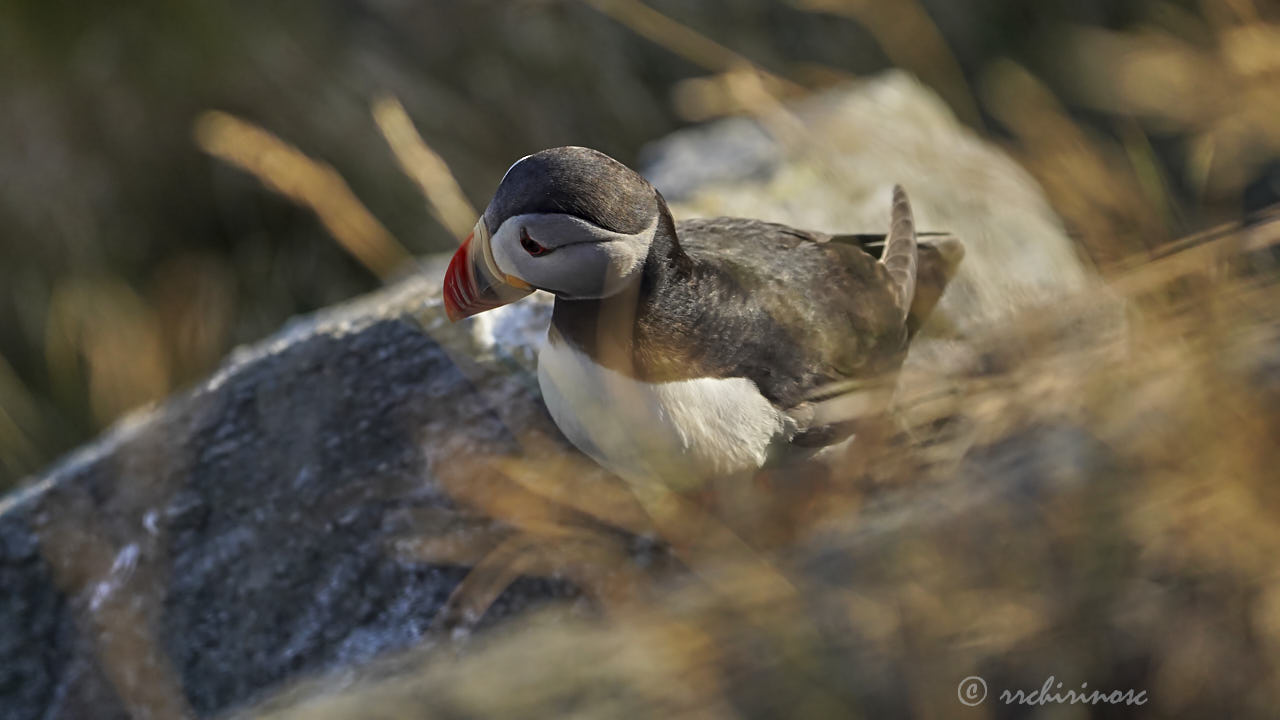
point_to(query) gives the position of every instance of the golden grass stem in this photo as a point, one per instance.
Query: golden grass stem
(449, 204)
(308, 182)
(680, 39)
(910, 39)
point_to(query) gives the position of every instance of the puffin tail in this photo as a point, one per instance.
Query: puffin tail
(899, 256)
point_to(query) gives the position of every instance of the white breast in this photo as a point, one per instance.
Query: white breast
(680, 433)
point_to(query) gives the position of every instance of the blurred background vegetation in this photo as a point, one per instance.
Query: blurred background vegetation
(133, 261)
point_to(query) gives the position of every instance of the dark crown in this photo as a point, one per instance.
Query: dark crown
(575, 181)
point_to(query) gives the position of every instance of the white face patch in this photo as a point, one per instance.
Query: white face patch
(585, 261)
(681, 433)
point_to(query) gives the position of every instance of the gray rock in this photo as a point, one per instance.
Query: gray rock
(240, 534)
(729, 151)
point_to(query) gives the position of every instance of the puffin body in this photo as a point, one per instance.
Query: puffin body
(684, 352)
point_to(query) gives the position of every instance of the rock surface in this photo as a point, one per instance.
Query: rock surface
(238, 536)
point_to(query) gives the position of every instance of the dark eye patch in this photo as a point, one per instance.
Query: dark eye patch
(531, 246)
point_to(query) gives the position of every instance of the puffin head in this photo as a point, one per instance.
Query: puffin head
(569, 220)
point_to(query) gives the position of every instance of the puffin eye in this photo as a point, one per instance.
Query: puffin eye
(530, 245)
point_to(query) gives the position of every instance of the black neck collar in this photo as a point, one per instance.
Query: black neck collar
(608, 324)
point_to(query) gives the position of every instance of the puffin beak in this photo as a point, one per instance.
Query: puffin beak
(473, 282)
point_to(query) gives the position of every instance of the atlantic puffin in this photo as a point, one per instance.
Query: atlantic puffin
(690, 351)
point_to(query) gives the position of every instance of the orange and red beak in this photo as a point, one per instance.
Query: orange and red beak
(473, 283)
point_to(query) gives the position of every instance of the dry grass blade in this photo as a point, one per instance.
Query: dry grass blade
(595, 562)
(713, 550)
(463, 545)
(1219, 96)
(680, 39)
(740, 84)
(570, 481)
(481, 484)
(599, 565)
(307, 182)
(100, 329)
(721, 94)
(1092, 185)
(911, 40)
(121, 618)
(18, 453)
(425, 166)
(1205, 253)
(482, 586)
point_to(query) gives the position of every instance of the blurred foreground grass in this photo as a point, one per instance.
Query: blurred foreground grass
(1083, 501)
